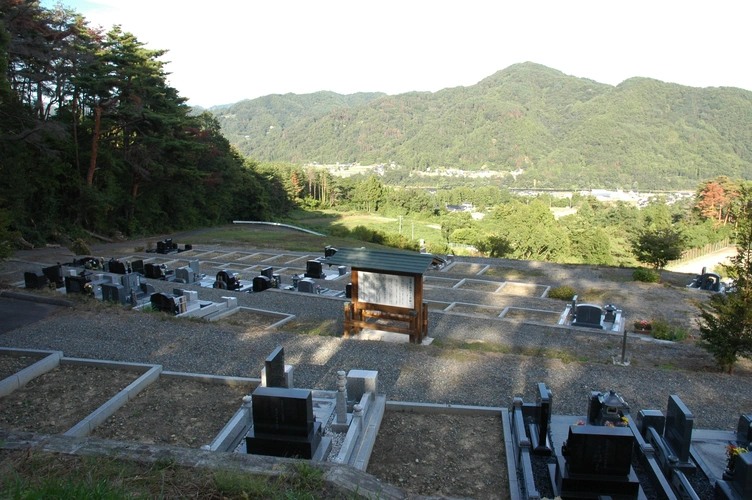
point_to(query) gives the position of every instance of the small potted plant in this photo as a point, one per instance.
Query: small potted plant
(642, 326)
(731, 453)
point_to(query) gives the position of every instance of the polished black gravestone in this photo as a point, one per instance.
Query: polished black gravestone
(274, 367)
(314, 269)
(76, 284)
(261, 283)
(55, 275)
(588, 315)
(283, 423)
(268, 272)
(34, 279)
(596, 460)
(117, 267)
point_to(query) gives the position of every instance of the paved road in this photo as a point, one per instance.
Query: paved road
(17, 313)
(709, 261)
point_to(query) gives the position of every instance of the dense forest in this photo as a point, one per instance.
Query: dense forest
(563, 132)
(92, 138)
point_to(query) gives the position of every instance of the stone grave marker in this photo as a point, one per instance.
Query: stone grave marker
(261, 283)
(678, 433)
(274, 368)
(35, 279)
(314, 269)
(55, 275)
(283, 423)
(115, 266)
(268, 272)
(307, 285)
(588, 315)
(114, 292)
(137, 266)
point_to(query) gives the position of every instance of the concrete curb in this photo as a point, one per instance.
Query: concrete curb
(85, 426)
(445, 409)
(23, 377)
(36, 298)
(214, 379)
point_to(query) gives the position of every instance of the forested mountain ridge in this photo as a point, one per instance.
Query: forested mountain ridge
(563, 131)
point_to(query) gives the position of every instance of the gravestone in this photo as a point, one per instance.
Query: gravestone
(268, 272)
(154, 271)
(678, 433)
(744, 429)
(261, 283)
(361, 381)
(329, 251)
(166, 246)
(314, 270)
(227, 281)
(76, 284)
(137, 266)
(55, 275)
(741, 479)
(165, 302)
(34, 279)
(115, 266)
(588, 315)
(274, 367)
(114, 292)
(610, 315)
(185, 274)
(283, 423)
(194, 265)
(307, 285)
(348, 291)
(539, 432)
(342, 270)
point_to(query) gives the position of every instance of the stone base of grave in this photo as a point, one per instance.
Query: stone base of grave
(284, 446)
(593, 486)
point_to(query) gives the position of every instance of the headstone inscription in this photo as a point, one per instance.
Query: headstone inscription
(283, 423)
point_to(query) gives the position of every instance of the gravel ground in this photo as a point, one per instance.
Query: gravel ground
(571, 363)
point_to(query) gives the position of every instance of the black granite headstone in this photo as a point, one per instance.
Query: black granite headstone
(55, 275)
(153, 271)
(261, 283)
(314, 270)
(268, 272)
(275, 368)
(588, 315)
(76, 284)
(599, 450)
(678, 433)
(744, 429)
(115, 266)
(34, 279)
(348, 291)
(741, 479)
(544, 420)
(137, 266)
(283, 423)
(329, 251)
(165, 302)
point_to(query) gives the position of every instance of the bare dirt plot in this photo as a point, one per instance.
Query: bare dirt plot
(480, 285)
(179, 412)
(474, 309)
(442, 455)
(55, 402)
(528, 315)
(466, 268)
(523, 289)
(10, 365)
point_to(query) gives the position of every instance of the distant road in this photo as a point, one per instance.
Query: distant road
(709, 261)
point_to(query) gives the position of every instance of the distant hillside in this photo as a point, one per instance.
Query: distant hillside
(563, 131)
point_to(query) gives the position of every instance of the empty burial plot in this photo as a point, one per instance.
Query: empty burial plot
(279, 259)
(256, 258)
(532, 315)
(506, 273)
(10, 365)
(459, 307)
(209, 255)
(480, 285)
(523, 289)
(251, 318)
(440, 282)
(55, 402)
(465, 268)
(176, 411)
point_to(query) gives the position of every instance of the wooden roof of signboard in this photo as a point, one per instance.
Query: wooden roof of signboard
(381, 260)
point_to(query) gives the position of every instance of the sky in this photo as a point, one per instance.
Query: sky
(224, 51)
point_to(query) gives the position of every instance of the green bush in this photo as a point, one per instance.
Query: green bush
(79, 247)
(645, 275)
(562, 292)
(663, 331)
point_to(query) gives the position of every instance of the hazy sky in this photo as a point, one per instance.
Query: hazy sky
(224, 51)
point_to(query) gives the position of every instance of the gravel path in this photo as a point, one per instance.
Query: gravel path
(513, 357)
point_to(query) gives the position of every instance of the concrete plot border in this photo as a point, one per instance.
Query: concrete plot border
(49, 361)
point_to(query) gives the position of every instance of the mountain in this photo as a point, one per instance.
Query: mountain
(562, 131)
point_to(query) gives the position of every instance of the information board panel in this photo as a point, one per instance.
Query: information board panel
(386, 289)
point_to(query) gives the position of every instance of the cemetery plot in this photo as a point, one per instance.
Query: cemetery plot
(55, 402)
(257, 257)
(459, 307)
(532, 315)
(523, 289)
(441, 455)
(429, 281)
(439, 306)
(299, 260)
(506, 273)
(465, 268)
(10, 365)
(253, 319)
(480, 285)
(279, 259)
(175, 411)
(209, 255)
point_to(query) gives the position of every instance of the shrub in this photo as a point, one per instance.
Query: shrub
(642, 324)
(562, 292)
(79, 247)
(663, 331)
(645, 275)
